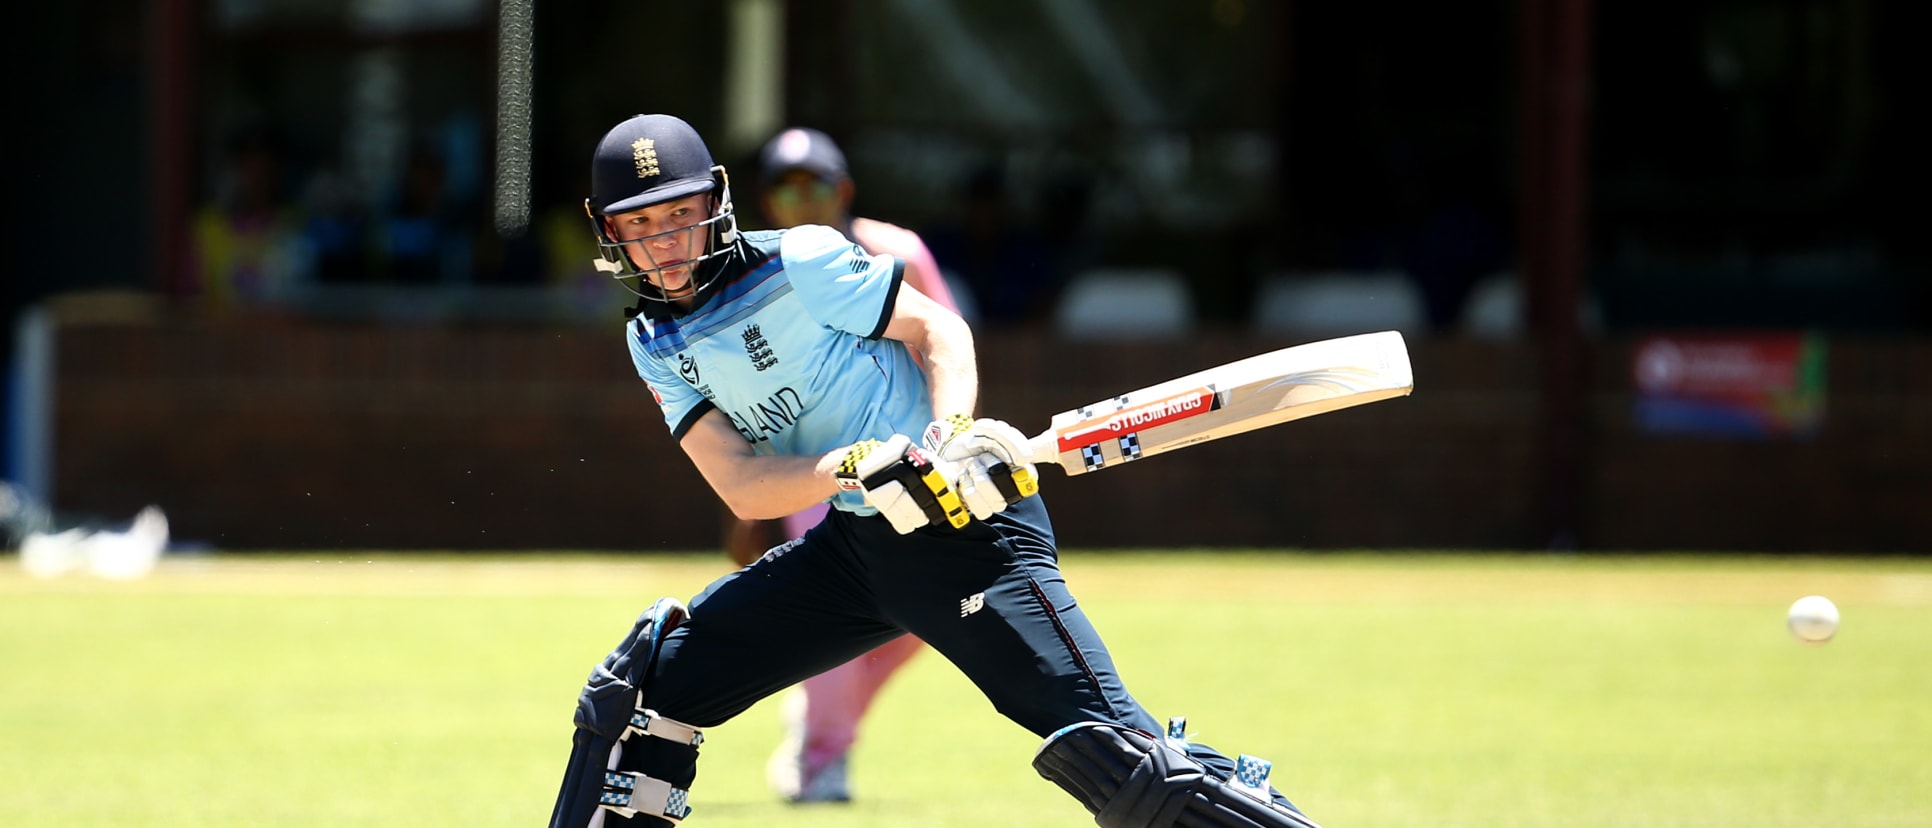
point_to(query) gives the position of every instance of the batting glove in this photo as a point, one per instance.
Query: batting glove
(991, 456)
(906, 486)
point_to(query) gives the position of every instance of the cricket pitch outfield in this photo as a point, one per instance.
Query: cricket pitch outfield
(355, 689)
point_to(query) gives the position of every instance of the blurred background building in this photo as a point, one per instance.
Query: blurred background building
(1655, 260)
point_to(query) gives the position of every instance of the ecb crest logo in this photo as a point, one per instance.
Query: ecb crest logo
(644, 155)
(758, 349)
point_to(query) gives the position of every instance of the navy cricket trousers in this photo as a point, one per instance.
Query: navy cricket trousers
(989, 597)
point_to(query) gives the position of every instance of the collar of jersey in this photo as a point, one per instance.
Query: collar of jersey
(719, 308)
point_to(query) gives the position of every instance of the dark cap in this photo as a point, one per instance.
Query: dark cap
(801, 148)
(647, 160)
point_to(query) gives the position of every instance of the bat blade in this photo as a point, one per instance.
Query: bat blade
(1263, 390)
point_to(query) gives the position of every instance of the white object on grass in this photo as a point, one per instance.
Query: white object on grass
(114, 555)
(46, 555)
(123, 556)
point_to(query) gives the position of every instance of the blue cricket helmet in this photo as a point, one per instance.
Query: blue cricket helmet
(651, 159)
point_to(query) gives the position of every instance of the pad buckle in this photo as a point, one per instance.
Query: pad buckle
(1251, 776)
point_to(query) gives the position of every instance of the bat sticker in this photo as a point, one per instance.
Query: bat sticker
(1139, 418)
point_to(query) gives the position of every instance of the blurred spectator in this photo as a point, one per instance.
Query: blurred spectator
(1067, 206)
(335, 231)
(517, 258)
(247, 248)
(1455, 246)
(1010, 269)
(565, 237)
(805, 181)
(1435, 228)
(1455, 240)
(425, 238)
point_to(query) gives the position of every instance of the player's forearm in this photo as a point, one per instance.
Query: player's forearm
(765, 488)
(952, 369)
(754, 486)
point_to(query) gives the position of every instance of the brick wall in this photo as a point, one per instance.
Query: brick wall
(289, 437)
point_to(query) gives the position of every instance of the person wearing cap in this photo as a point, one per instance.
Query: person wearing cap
(805, 180)
(793, 367)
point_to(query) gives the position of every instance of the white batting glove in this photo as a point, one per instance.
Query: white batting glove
(974, 480)
(910, 489)
(991, 455)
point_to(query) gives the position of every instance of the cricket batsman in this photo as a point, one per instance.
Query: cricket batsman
(784, 366)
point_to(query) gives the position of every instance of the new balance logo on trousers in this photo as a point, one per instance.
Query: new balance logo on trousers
(972, 603)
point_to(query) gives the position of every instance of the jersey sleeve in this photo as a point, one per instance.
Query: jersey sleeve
(922, 271)
(681, 404)
(838, 283)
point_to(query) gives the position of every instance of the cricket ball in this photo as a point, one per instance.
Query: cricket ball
(1813, 619)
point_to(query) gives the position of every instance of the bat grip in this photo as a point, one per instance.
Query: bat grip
(1043, 448)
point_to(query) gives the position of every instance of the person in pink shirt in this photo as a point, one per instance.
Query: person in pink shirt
(805, 180)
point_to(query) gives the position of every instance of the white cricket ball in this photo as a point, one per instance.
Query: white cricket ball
(1813, 619)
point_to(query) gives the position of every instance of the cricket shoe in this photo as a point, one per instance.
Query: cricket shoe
(799, 783)
(791, 776)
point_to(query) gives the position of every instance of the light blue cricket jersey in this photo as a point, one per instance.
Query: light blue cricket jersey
(791, 349)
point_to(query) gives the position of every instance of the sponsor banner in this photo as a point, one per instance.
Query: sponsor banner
(1754, 386)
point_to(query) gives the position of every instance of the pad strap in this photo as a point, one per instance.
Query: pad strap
(1131, 779)
(1250, 772)
(629, 794)
(650, 723)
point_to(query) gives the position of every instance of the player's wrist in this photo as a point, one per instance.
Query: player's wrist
(911, 489)
(827, 468)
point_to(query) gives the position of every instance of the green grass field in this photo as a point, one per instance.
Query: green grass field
(357, 690)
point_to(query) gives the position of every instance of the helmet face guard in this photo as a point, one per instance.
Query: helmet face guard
(648, 160)
(614, 256)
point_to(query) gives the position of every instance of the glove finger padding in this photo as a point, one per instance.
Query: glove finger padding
(983, 496)
(957, 439)
(1015, 481)
(906, 486)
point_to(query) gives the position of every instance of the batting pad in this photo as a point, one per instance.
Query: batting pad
(1130, 779)
(605, 782)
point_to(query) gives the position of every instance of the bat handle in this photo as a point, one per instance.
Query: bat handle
(1043, 448)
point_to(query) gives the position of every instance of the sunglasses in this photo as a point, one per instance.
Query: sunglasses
(792, 195)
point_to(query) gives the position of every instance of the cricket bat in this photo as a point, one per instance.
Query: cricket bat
(1263, 390)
